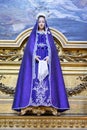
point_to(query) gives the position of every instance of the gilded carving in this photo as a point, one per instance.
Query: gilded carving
(70, 91)
(16, 54)
(43, 122)
(73, 57)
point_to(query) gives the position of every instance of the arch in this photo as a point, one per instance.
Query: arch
(56, 34)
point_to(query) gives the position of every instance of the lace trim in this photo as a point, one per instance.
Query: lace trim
(41, 44)
(41, 32)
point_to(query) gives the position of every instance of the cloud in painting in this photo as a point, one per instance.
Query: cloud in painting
(18, 15)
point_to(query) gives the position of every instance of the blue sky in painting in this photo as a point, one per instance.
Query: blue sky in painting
(67, 16)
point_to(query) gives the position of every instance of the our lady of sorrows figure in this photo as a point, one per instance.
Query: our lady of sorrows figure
(40, 81)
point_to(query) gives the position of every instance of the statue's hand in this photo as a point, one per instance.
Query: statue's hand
(37, 58)
(46, 58)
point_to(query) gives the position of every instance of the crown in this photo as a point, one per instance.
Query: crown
(40, 14)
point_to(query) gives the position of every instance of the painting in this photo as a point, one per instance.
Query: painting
(67, 16)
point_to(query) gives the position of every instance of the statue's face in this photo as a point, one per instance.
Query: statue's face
(41, 23)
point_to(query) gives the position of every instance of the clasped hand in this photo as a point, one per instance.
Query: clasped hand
(46, 58)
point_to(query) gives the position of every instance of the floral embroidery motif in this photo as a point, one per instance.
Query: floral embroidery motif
(40, 91)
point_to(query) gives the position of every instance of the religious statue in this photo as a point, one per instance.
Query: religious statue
(40, 85)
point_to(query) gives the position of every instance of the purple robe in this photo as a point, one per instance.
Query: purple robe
(29, 90)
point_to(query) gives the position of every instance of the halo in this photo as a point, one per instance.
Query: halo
(40, 14)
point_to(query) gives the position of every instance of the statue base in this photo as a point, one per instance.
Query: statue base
(37, 122)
